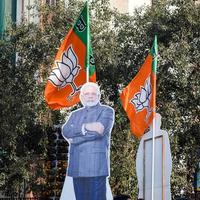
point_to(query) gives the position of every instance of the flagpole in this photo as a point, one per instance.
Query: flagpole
(154, 117)
(88, 42)
(153, 160)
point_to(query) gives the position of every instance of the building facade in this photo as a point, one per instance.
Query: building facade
(17, 10)
(121, 5)
(128, 6)
(7, 13)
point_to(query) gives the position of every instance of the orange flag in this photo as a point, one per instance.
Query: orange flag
(69, 72)
(139, 97)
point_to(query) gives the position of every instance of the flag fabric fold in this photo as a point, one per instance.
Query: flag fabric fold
(69, 71)
(139, 96)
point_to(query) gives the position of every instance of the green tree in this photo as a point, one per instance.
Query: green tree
(176, 24)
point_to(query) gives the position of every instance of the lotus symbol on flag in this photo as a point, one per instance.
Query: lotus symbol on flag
(66, 70)
(141, 100)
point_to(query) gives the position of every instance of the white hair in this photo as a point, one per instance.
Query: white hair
(90, 84)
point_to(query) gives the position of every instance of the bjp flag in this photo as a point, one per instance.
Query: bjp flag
(69, 71)
(139, 97)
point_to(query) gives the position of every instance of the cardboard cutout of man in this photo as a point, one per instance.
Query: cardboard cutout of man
(88, 132)
(163, 164)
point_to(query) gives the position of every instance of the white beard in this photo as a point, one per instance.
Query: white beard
(89, 103)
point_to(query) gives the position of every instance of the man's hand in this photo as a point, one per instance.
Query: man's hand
(95, 126)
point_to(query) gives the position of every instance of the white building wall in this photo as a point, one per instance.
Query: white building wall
(26, 14)
(134, 4)
(128, 6)
(121, 5)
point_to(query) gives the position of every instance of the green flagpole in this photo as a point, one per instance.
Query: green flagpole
(88, 42)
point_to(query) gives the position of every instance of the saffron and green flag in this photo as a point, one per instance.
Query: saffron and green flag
(139, 96)
(69, 71)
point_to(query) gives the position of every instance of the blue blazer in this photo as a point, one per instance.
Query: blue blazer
(89, 154)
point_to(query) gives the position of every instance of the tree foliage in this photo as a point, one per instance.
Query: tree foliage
(120, 43)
